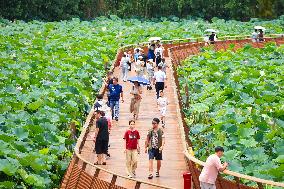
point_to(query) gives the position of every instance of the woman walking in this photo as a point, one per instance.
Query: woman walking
(150, 72)
(139, 66)
(136, 91)
(132, 148)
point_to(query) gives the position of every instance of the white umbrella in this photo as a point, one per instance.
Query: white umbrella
(154, 39)
(211, 30)
(259, 28)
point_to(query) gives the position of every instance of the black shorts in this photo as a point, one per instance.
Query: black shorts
(154, 153)
(101, 146)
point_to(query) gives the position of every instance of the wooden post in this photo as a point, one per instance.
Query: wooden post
(137, 185)
(113, 180)
(237, 179)
(260, 185)
(94, 177)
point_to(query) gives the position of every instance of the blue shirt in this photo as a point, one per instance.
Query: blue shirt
(114, 92)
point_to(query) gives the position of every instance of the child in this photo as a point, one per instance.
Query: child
(162, 104)
(132, 147)
(163, 64)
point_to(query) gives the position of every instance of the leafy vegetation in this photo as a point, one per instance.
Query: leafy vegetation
(51, 10)
(50, 72)
(236, 101)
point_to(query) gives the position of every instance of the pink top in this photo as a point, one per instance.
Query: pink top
(210, 171)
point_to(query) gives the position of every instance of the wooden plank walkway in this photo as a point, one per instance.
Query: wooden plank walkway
(173, 164)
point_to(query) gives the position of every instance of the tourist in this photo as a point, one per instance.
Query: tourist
(139, 66)
(212, 38)
(163, 64)
(136, 54)
(162, 104)
(124, 66)
(101, 104)
(151, 51)
(154, 145)
(132, 148)
(144, 59)
(136, 91)
(115, 93)
(102, 138)
(211, 169)
(254, 36)
(159, 80)
(159, 54)
(107, 83)
(260, 36)
(150, 72)
(131, 59)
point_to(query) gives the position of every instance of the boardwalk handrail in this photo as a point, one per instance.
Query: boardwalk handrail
(180, 53)
(83, 136)
(118, 175)
(235, 174)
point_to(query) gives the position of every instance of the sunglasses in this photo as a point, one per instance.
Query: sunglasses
(154, 123)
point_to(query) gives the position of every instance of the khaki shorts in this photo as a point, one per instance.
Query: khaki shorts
(204, 185)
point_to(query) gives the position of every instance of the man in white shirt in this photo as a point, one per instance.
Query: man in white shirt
(159, 80)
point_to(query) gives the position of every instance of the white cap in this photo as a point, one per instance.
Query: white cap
(140, 56)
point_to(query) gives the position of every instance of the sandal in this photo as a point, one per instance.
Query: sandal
(104, 163)
(150, 176)
(157, 174)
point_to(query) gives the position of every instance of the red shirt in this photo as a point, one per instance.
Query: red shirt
(131, 139)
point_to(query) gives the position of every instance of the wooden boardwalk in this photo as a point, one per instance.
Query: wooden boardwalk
(173, 164)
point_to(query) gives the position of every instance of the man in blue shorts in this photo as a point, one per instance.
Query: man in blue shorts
(154, 144)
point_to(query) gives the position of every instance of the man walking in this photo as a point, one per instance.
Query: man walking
(115, 92)
(154, 143)
(211, 169)
(159, 80)
(102, 137)
(132, 147)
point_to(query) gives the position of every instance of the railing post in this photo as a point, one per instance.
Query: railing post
(137, 185)
(187, 180)
(260, 186)
(237, 179)
(95, 176)
(113, 180)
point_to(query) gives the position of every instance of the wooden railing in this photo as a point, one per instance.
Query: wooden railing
(181, 52)
(77, 175)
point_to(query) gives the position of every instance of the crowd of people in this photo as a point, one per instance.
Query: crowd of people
(151, 67)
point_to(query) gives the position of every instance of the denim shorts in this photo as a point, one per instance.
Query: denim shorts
(154, 153)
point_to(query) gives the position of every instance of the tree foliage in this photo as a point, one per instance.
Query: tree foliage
(87, 9)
